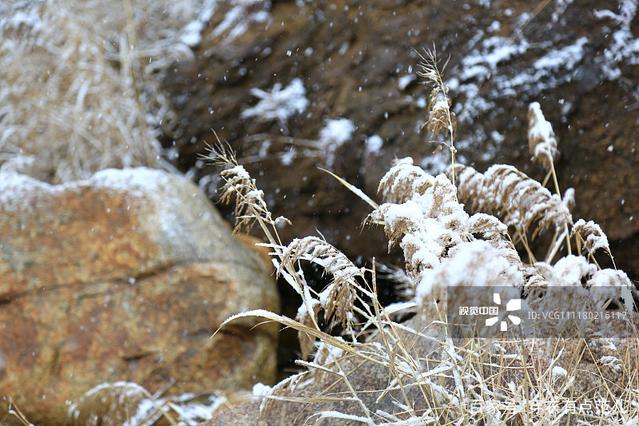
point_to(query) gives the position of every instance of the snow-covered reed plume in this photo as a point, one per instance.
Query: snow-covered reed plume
(441, 120)
(542, 142)
(514, 197)
(339, 297)
(590, 236)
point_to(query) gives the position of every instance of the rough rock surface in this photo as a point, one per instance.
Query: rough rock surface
(239, 409)
(123, 276)
(357, 60)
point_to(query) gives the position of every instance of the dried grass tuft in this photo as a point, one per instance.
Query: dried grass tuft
(81, 89)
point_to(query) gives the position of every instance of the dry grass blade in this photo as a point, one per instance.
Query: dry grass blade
(324, 337)
(355, 190)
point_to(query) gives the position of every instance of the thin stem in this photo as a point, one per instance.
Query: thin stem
(556, 183)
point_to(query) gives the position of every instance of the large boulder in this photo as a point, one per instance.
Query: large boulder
(357, 60)
(124, 277)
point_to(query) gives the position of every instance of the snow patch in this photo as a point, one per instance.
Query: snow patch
(624, 46)
(239, 17)
(260, 390)
(374, 145)
(334, 134)
(558, 372)
(566, 57)
(280, 103)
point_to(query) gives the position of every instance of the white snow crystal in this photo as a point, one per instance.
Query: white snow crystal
(280, 103)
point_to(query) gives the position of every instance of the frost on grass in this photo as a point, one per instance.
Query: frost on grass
(280, 103)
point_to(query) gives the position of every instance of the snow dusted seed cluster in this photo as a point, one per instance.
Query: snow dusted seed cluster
(542, 142)
(397, 364)
(510, 194)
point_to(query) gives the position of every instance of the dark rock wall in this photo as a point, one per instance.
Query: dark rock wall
(355, 60)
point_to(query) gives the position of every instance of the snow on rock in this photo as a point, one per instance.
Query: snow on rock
(482, 63)
(483, 76)
(141, 179)
(278, 104)
(624, 46)
(566, 57)
(334, 134)
(236, 21)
